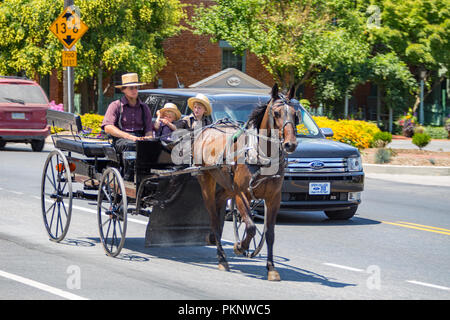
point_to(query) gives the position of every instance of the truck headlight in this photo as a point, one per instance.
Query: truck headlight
(354, 164)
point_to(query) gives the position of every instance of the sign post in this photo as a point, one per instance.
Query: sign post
(69, 28)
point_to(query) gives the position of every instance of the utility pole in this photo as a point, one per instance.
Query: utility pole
(346, 106)
(68, 75)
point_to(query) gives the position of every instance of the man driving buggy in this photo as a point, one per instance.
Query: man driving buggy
(128, 120)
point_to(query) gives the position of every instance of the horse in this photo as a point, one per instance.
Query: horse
(240, 181)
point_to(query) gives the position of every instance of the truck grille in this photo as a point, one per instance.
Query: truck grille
(297, 165)
(334, 196)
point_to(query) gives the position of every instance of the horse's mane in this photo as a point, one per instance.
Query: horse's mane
(255, 118)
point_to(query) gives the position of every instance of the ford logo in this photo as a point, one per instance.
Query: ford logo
(316, 164)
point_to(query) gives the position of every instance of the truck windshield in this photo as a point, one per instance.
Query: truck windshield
(21, 93)
(240, 111)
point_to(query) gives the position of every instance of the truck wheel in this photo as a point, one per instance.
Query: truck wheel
(2, 144)
(342, 214)
(37, 145)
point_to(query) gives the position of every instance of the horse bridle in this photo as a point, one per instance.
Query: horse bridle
(287, 120)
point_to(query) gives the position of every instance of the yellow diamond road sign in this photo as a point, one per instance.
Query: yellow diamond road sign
(68, 27)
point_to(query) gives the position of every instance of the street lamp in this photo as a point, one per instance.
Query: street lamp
(423, 74)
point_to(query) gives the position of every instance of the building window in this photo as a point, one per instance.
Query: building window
(230, 59)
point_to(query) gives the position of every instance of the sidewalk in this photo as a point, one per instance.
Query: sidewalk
(421, 175)
(443, 181)
(400, 142)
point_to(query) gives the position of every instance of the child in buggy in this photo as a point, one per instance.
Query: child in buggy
(163, 125)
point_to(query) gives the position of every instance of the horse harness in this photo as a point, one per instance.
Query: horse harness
(255, 169)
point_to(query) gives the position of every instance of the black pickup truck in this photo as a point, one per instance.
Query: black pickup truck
(322, 175)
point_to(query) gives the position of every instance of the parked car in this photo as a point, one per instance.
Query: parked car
(322, 175)
(23, 107)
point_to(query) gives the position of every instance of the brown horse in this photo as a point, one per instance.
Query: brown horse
(242, 181)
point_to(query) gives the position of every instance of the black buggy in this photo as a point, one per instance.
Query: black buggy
(167, 193)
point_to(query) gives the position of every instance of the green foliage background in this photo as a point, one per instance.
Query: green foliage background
(122, 35)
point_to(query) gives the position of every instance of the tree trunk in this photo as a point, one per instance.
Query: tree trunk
(85, 96)
(378, 105)
(416, 104)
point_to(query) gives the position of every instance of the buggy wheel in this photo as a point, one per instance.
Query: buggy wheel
(112, 212)
(56, 195)
(240, 233)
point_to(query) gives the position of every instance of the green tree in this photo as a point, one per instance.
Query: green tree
(26, 44)
(127, 35)
(394, 81)
(294, 39)
(417, 31)
(123, 35)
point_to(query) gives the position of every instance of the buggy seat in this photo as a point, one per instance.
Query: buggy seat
(88, 149)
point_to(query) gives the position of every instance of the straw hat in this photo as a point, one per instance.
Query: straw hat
(201, 98)
(170, 107)
(130, 80)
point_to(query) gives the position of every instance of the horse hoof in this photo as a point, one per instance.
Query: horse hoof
(273, 276)
(223, 266)
(237, 249)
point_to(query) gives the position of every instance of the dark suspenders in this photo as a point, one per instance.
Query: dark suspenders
(142, 114)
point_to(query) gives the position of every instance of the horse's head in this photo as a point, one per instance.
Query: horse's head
(283, 116)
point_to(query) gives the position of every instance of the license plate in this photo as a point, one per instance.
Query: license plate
(18, 115)
(319, 188)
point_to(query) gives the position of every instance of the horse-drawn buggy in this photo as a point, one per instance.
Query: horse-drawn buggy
(170, 191)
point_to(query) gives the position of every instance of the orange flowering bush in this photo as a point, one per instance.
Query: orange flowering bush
(354, 132)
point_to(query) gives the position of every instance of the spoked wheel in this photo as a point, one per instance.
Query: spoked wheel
(240, 233)
(112, 209)
(56, 195)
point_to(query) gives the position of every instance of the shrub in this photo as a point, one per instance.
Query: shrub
(305, 104)
(447, 124)
(58, 107)
(383, 156)
(92, 124)
(408, 123)
(421, 139)
(419, 129)
(54, 130)
(436, 132)
(354, 132)
(381, 139)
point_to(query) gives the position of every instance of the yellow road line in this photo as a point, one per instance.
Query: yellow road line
(415, 227)
(421, 225)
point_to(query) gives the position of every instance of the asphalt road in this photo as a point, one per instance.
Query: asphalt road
(396, 247)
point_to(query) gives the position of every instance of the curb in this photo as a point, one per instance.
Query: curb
(411, 170)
